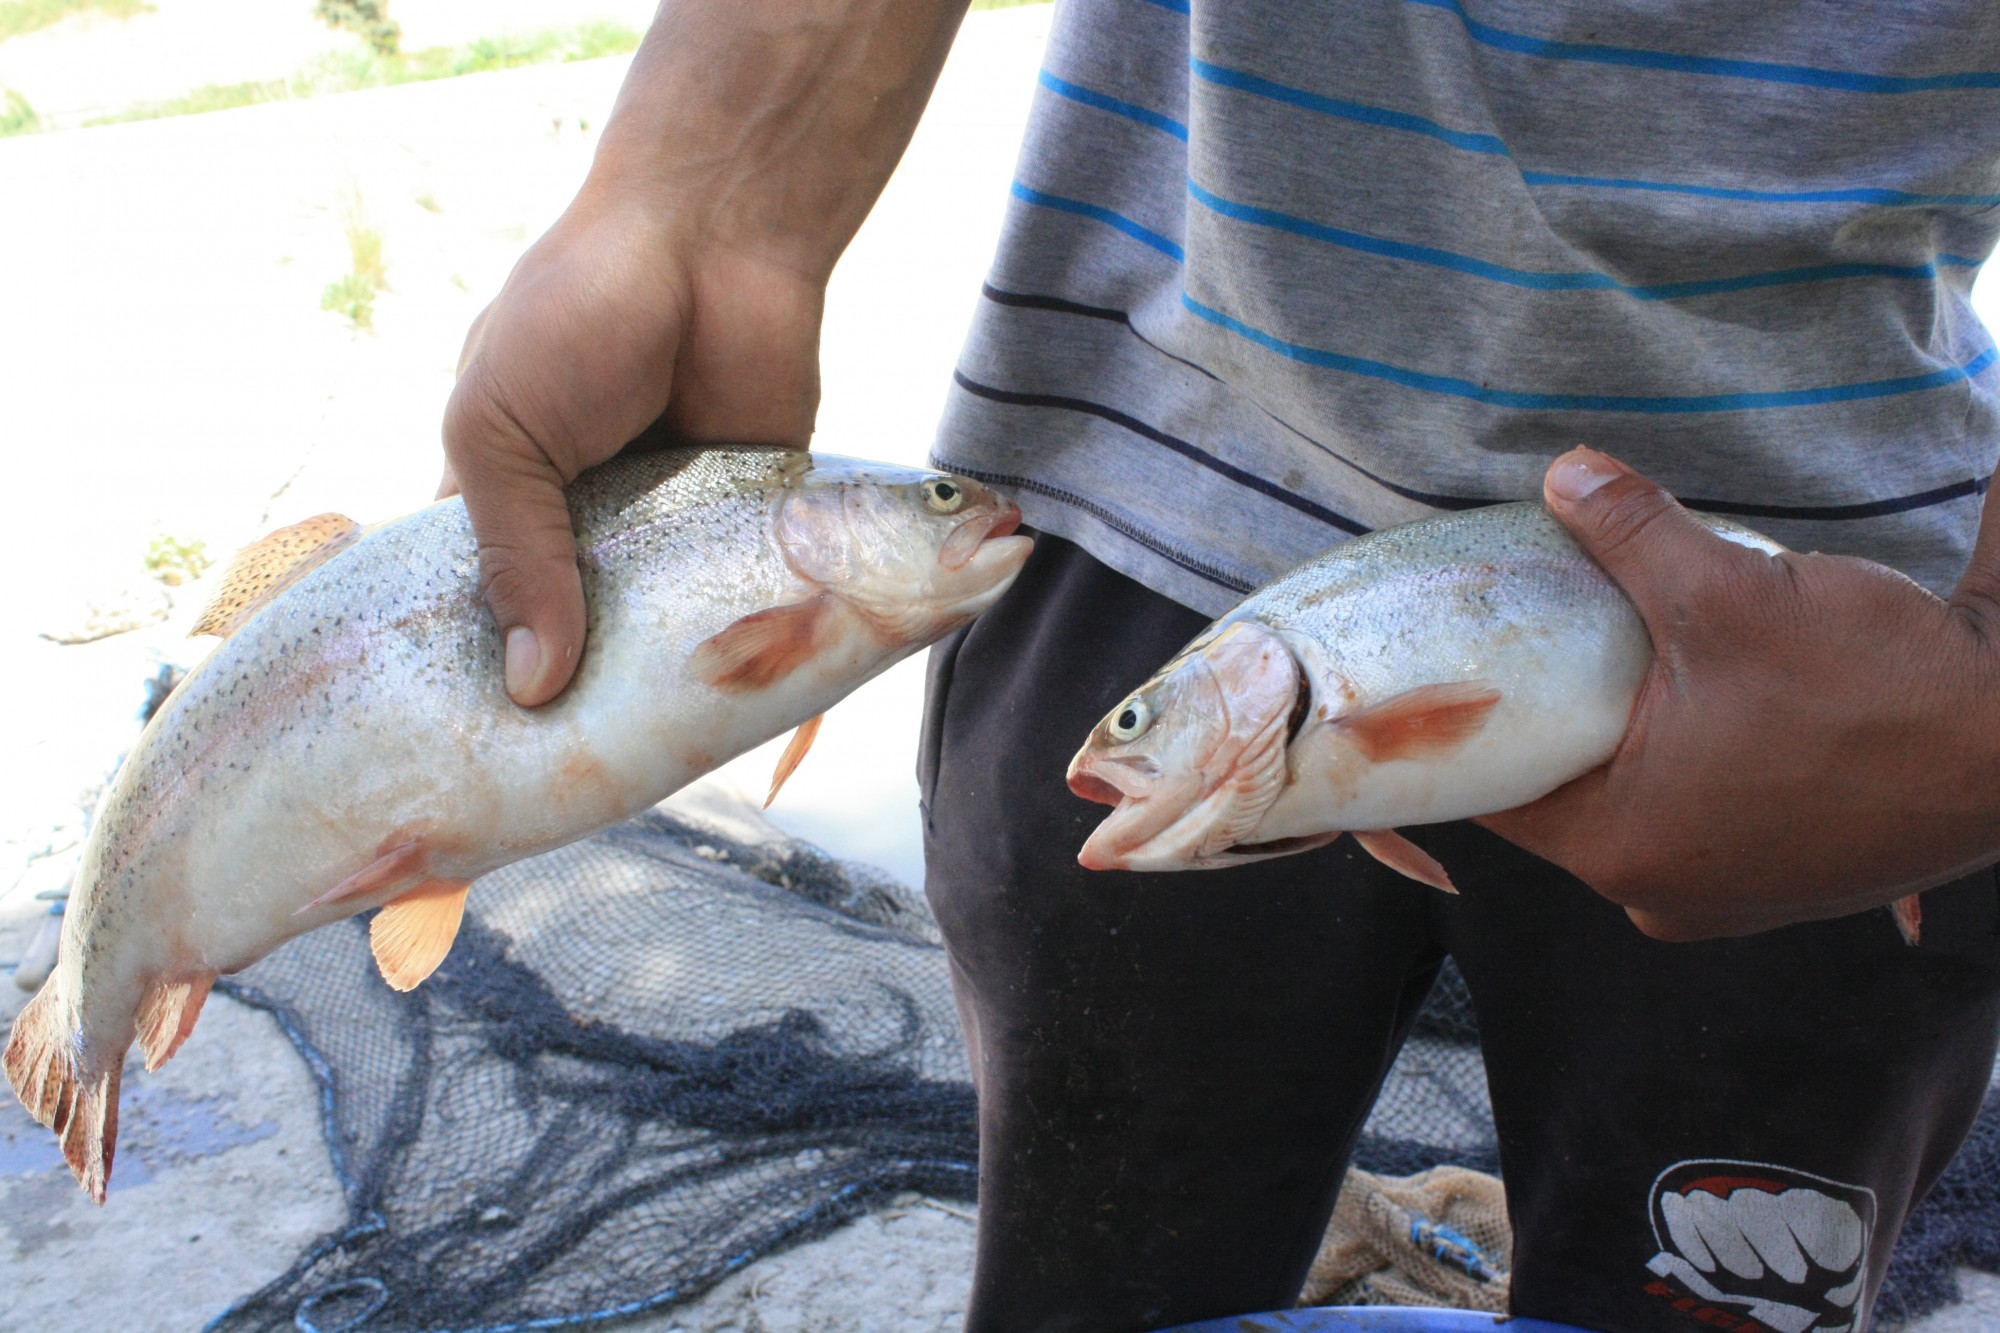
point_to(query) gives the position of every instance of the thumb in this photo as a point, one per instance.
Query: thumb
(527, 553)
(1655, 550)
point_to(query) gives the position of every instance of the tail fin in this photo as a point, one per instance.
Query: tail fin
(82, 1108)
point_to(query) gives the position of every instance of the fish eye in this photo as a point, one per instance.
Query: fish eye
(946, 497)
(1131, 720)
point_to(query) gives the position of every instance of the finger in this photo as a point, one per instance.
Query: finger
(527, 551)
(1659, 553)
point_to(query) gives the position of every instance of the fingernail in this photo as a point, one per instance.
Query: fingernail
(1581, 471)
(524, 660)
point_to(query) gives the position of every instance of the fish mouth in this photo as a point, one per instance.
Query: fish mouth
(1161, 833)
(1140, 812)
(970, 537)
(988, 555)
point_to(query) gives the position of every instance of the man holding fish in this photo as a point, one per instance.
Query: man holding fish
(1276, 276)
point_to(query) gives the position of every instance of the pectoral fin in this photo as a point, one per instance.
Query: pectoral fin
(411, 936)
(1422, 723)
(801, 741)
(762, 648)
(1404, 857)
(272, 564)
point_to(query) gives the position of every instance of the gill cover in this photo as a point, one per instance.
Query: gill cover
(906, 554)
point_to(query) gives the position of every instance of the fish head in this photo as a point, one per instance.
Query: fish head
(1194, 758)
(916, 552)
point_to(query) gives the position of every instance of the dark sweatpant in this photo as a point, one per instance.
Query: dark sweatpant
(1172, 1069)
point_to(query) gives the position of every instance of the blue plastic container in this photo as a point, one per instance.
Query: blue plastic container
(1374, 1319)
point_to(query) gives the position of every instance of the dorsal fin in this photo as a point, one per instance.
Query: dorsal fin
(411, 936)
(272, 564)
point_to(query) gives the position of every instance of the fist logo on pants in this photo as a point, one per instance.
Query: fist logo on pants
(1788, 1248)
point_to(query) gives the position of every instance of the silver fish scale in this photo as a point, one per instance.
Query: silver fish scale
(1446, 599)
(1497, 535)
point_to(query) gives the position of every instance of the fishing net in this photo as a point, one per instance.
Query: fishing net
(669, 1050)
(651, 1058)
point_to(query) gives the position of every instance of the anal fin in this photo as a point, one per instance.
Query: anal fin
(763, 647)
(1909, 914)
(412, 935)
(168, 1013)
(1404, 857)
(795, 752)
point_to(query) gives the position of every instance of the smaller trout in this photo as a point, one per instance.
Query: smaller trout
(1437, 670)
(351, 745)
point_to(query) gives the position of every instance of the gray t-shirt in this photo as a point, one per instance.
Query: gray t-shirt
(1278, 272)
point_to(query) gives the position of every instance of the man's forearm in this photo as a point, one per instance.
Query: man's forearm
(772, 125)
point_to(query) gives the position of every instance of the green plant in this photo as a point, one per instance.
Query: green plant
(370, 18)
(16, 116)
(24, 16)
(174, 561)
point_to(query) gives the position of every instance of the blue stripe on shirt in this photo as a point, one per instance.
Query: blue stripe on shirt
(1590, 402)
(1490, 145)
(1076, 92)
(1480, 268)
(1860, 195)
(1591, 281)
(1136, 231)
(1763, 71)
(1244, 81)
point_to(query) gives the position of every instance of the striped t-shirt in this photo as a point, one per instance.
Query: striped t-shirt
(1278, 272)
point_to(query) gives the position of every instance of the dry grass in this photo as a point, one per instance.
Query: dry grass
(352, 295)
(17, 116)
(352, 70)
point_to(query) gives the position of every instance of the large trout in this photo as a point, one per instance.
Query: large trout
(351, 744)
(1437, 670)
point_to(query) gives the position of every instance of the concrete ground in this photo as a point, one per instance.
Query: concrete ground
(168, 373)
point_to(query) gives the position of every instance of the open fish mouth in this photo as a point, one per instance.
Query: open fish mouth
(1169, 831)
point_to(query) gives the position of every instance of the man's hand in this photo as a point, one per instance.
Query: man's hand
(686, 281)
(599, 332)
(1817, 734)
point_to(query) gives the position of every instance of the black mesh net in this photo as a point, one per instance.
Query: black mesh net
(651, 1058)
(665, 1052)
